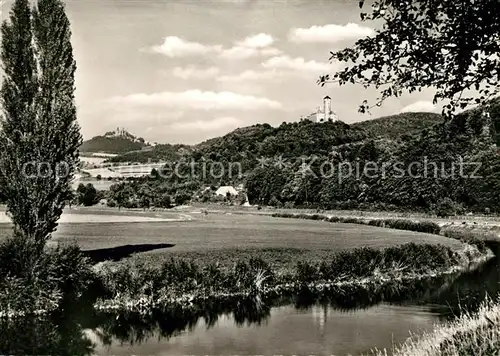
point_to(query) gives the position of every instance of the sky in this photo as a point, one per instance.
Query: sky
(183, 71)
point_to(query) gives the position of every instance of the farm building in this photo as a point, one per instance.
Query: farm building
(224, 190)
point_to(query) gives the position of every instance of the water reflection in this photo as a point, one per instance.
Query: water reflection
(467, 292)
(339, 323)
(57, 335)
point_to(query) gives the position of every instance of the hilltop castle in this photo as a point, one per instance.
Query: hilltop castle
(119, 132)
(323, 114)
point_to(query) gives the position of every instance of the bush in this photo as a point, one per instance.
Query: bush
(32, 283)
(447, 207)
(176, 279)
(275, 202)
(306, 273)
(418, 226)
(364, 262)
(182, 197)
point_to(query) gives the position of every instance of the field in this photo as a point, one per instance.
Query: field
(102, 184)
(224, 237)
(93, 160)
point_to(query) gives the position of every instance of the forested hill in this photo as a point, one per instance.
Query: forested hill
(288, 140)
(452, 166)
(397, 126)
(114, 142)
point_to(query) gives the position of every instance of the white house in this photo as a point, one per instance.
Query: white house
(224, 190)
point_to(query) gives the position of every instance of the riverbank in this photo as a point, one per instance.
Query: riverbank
(471, 334)
(184, 284)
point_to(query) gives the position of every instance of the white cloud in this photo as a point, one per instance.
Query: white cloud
(194, 72)
(251, 46)
(257, 41)
(299, 64)
(270, 52)
(240, 52)
(174, 46)
(419, 106)
(222, 123)
(329, 33)
(200, 100)
(250, 75)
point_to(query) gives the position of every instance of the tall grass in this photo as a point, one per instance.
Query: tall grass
(367, 262)
(142, 287)
(474, 237)
(470, 334)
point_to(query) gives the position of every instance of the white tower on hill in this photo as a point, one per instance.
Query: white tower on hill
(325, 113)
(327, 107)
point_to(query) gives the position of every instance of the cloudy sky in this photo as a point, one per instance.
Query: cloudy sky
(184, 71)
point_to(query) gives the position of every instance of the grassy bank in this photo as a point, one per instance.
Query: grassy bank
(471, 334)
(476, 237)
(140, 287)
(399, 224)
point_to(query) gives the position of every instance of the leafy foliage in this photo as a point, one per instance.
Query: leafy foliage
(448, 46)
(399, 126)
(54, 277)
(87, 195)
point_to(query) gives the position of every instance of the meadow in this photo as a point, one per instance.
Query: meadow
(225, 238)
(199, 260)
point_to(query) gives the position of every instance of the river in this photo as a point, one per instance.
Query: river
(292, 325)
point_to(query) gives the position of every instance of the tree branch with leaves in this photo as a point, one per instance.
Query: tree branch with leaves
(449, 46)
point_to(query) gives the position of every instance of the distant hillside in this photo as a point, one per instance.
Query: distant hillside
(117, 142)
(246, 144)
(289, 140)
(164, 152)
(396, 126)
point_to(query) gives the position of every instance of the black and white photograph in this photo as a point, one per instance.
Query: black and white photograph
(250, 177)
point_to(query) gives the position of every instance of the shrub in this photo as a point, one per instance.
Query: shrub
(306, 273)
(334, 219)
(316, 217)
(275, 202)
(447, 207)
(179, 272)
(180, 278)
(410, 225)
(72, 269)
(351, 221)
(32, 282)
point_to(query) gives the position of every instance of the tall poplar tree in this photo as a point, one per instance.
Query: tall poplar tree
(40, 136)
